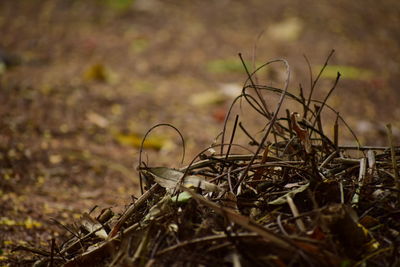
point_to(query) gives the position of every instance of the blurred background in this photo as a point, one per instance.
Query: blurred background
(82, 81)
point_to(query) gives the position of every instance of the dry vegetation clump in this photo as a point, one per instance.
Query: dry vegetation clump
(294, 196)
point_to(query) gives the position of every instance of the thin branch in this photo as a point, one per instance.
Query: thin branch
(272, 122)
(318, 76)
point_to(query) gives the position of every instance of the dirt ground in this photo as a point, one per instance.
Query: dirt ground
(82, 81)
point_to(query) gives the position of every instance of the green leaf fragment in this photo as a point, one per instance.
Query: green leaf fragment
(182, 197)
(347, 72)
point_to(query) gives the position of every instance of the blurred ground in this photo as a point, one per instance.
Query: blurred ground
(82, 81)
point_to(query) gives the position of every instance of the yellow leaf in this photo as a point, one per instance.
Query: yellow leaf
(96, 72)
(135, 140)
(8, 242)
(29, 223)
(7, 221)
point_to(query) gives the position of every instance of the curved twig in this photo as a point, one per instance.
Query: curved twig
(272, 122)
(144, 139)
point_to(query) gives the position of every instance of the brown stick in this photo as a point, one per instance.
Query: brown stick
(134, 207)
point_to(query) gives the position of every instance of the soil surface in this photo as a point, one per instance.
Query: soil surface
(81, 82)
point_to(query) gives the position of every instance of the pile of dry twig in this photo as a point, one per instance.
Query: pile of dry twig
(300, 200)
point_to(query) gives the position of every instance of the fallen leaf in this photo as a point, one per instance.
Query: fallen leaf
(289, 29)
(347, 72)
(92, 225)
(97, 119)
(341, 220)
(96, 72)
(182, 197)
(135, 140)
(259, 172)
(283, 199)
(168, 178)
(230, 89)
(6, 221)
(29, 223)
(162, 207)
(208, 98)
(55, 159)
(225, 66)
(302, 134)
(231, 65)
(219, 114)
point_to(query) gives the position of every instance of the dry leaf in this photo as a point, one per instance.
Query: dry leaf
(287, 30)
(96, 72)
(208, 98)
(229, 201)
(341, 221)
(168, 178)
(259, 172)
(283, 199)
(91, 225)
(97, 119)
(135, 140)
(302, 134)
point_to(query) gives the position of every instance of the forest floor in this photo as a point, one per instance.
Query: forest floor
(81, 82)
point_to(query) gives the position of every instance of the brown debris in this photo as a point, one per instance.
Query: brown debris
(255, 209)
